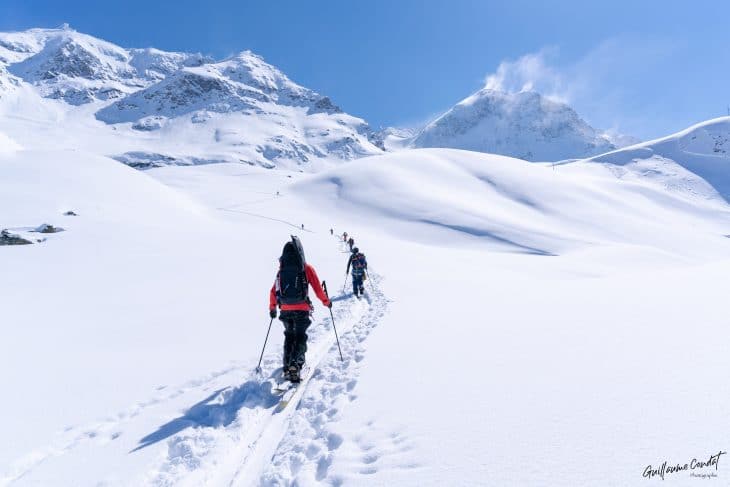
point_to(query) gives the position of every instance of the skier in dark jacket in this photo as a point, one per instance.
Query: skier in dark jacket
(351, 243)
(359, 266)
(290, 292)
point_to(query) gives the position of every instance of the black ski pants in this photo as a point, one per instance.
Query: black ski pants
(357, 284)
(295, 337)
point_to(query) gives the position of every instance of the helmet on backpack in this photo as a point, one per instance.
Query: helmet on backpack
(293, 253)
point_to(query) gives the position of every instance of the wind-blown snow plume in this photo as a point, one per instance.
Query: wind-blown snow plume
(594, 83)
(531, 72)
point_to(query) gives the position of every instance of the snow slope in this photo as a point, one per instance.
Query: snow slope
(6, 81)
(703, 149)
(7, 144)
(522, 207)
(525, 125)
(503, 368)
(100, 312)
(120, 322)
(512, 307)
(396, 138)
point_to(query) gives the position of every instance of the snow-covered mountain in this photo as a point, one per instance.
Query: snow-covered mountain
(185, 108)
(694, 159)
(241, 83)
(620, 140)
(176, 108)
(5, 80)
(396, 138)
(78, 68)
(525, 125)
(286, 121)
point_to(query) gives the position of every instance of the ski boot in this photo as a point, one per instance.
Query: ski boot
(293, 374)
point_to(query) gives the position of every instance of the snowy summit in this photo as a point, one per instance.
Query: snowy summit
(525, 125)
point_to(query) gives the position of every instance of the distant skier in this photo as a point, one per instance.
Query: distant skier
(332, 232)
(302, 226)
(351, 243)
(359, 265)
(290, 292)
(344, 237)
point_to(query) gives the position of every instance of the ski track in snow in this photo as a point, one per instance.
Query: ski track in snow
(237, 210)
(265, 437)
(309, 444)
(305, 453)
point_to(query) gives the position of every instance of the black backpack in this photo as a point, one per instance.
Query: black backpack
(291, 282)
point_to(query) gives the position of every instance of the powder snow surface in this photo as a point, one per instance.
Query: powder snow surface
(524, 324)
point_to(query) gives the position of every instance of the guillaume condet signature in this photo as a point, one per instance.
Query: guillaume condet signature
(694, 466)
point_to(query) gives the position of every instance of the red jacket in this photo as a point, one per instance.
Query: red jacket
(313, 281)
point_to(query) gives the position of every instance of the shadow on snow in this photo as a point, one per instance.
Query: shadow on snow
(218, 409)
(476, 232)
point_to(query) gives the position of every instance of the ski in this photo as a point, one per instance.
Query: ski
(286, 397)
(287, 390)
(283, 386)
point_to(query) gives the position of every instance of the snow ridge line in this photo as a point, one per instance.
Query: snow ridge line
(239, 452)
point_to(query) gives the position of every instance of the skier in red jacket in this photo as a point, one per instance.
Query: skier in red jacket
(290, 292)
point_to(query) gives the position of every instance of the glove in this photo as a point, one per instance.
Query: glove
(328, 304)
(272, 313)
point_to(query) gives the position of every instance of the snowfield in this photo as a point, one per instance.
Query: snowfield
(7, 144)
(525, 324)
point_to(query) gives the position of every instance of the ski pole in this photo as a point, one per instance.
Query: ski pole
(369, 280)
(324, 285)
(258, 367)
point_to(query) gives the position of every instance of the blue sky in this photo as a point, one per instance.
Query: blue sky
(646, 68)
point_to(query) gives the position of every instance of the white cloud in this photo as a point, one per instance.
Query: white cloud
(603, 84)
(531, 72)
